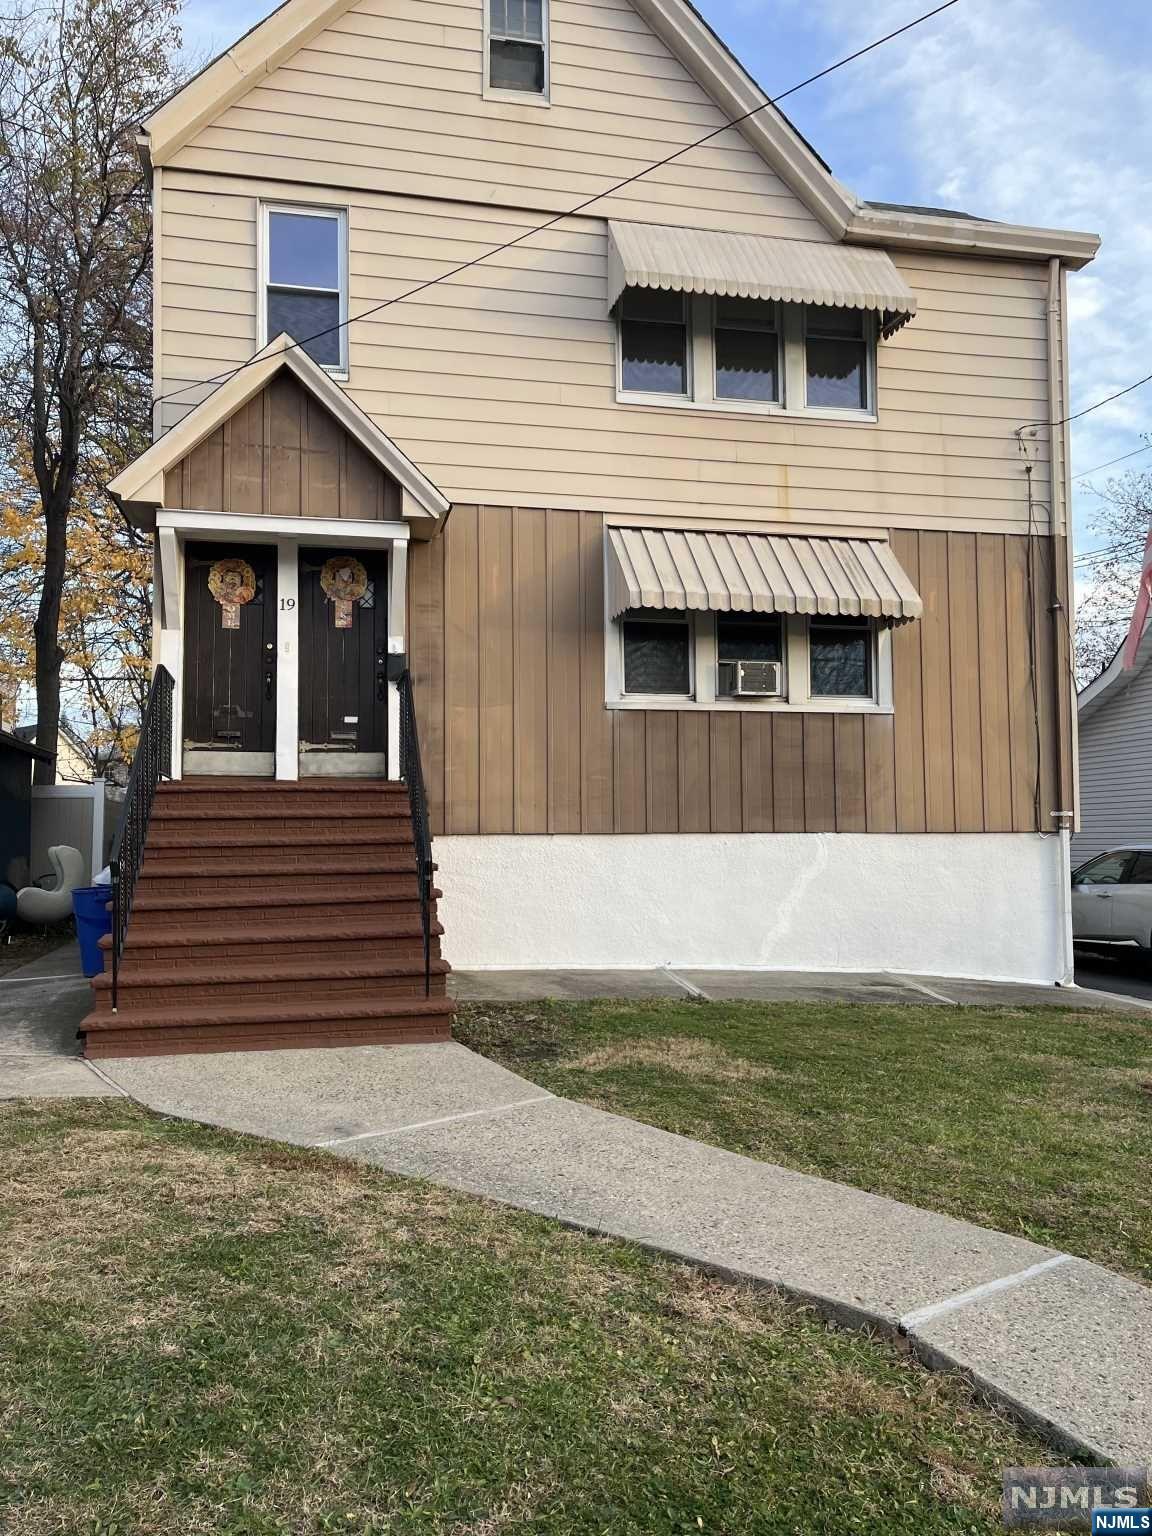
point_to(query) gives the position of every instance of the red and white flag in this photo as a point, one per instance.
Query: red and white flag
(1140, 612)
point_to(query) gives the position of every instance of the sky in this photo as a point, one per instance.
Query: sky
(1031, 111)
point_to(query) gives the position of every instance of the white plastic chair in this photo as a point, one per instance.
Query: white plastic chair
(52, 904)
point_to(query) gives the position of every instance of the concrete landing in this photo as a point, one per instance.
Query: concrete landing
(879, 987)
(1066, 1344)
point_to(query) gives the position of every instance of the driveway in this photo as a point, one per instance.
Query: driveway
(41, 1005)
(1123, 975)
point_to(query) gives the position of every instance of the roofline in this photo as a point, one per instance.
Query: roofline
(1114, 675)
(709, 61)
(139, 488)
(27, 747)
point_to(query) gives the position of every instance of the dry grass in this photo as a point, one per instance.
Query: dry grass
(211, 1336)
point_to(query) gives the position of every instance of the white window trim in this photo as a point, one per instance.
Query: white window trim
(661, 616)
(797, 698)
(701, 393)
(339, 212)
(491, 92)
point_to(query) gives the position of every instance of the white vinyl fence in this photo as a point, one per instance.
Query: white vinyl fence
(80, 816)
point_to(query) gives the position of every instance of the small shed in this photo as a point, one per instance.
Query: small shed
(16, 760)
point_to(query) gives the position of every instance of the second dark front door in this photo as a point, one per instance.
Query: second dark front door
(343, 653)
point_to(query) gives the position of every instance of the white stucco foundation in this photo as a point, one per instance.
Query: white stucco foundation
(979, 905)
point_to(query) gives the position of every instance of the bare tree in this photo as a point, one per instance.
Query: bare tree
(1109, 575)
(75, 291)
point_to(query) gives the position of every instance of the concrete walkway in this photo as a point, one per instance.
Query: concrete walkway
(779, 987)
(41, 1005)
(1066, 1344)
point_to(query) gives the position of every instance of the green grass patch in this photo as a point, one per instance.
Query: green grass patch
(1033, 1121)
(205, 1333)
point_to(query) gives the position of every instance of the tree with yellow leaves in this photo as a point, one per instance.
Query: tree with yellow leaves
(75, 330)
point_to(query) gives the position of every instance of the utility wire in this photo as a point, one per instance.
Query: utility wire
(1088, 409)
(537, 229)
(1147, 448)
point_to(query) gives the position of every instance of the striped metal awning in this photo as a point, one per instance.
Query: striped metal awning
(757, 267)
(757, 573)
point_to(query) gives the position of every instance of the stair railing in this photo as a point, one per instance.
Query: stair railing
(151, 763)
(412, 774)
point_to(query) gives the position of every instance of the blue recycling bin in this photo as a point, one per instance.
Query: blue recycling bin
(92, 905)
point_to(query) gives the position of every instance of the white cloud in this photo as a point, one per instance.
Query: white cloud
(1036, 113)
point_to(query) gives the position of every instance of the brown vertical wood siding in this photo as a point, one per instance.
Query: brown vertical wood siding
(507, 657)
(283, 455)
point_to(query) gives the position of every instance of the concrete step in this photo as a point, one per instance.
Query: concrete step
(260, 1026)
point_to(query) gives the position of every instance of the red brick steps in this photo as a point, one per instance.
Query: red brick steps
(268, 1027)
(270, 915)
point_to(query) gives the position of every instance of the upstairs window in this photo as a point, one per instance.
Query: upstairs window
(745, 354)
(305, 284)
(747, 346)
(836, 359)
(518, 46)
(654, 342)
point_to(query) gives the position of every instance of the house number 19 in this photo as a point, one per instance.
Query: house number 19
(287, 603)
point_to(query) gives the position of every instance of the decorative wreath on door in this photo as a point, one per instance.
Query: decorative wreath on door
(345, 581)
(232, 582)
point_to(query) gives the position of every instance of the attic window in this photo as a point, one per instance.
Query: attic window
(518, 46)
(305, 286)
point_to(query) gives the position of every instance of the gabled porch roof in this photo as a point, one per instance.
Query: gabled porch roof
(139, 489)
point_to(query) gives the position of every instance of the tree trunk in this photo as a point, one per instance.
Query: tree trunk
(49, 656)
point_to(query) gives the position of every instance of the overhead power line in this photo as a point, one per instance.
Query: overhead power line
(569, 213)
(1088, 409)
(1147, 448)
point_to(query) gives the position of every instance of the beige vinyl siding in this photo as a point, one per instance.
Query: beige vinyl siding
(500, 383)
(388, 97)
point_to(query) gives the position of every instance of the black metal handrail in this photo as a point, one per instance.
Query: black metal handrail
(412, 774)
(151, 762)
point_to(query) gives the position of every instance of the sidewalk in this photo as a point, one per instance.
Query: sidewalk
(1066, 1344)
(41, 1005)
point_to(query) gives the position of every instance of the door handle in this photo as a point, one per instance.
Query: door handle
(269, 684)
(381, 687)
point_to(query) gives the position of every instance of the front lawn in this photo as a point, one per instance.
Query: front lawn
(1034, 1121)
(208, 1335)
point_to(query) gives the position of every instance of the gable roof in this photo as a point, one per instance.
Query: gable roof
(1114, 680)
(715, 68)
(139, 488)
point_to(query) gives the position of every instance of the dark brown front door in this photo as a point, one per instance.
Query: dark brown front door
(230, 649)
(343, 651)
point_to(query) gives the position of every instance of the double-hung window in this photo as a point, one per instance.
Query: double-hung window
(518, 47)
(305, 281)
(657, 650)
(745, 354)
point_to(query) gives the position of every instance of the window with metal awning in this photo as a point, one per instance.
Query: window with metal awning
(706, 617)
(747, 323)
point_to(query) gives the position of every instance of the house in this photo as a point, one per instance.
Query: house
(712, 530)
(74, 758)
(1115, 743)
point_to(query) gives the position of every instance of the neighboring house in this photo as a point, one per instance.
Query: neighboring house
(73, 763)
(700, 518)
(1115, 720)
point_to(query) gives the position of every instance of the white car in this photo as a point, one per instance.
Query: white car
(1112, 899)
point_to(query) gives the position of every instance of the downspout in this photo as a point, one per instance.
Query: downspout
(1059, 608)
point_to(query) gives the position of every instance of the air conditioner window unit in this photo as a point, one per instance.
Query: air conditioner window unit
(751, 679)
